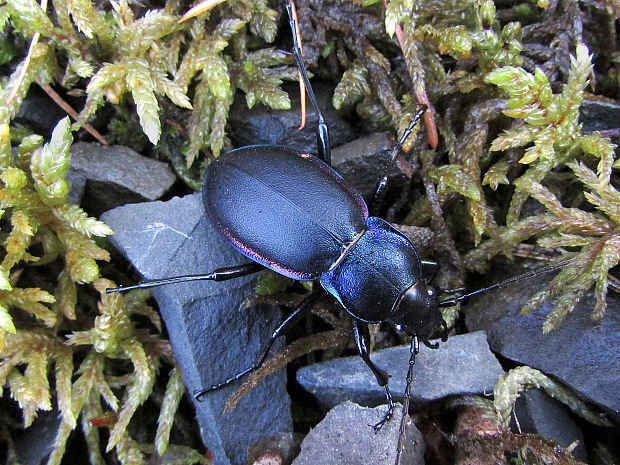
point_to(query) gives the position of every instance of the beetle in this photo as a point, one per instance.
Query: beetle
(290, 212)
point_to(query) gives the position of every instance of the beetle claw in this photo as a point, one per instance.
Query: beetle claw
(377, 426)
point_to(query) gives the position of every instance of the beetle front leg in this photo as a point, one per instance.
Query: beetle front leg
(362, 342)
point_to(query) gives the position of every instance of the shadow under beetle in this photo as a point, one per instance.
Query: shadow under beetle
(291, 212)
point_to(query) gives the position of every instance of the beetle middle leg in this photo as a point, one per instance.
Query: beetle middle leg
(362, 342)
(288, 323)
(380, 189)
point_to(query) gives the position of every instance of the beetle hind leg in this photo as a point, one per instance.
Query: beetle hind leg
(288, 323)
(322, 130)
(220, 274)
(362, 338)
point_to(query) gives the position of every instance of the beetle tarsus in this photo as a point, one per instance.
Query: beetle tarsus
(388, 415)
(413, 351)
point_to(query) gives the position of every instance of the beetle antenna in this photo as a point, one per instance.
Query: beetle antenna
(221, 274)
(414, 350)
(379, 195)
(322, 132)
(514, 279)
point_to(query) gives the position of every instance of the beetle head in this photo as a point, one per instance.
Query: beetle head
(417, 311)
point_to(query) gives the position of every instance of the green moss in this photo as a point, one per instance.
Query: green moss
(504, 105)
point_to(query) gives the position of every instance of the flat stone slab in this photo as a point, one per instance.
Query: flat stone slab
(541, 414)
(462, 365)
(107, 177)
(212, 336)
(344, 437)
(582, 352)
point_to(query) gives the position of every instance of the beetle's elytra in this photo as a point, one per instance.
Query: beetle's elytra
(288, 211)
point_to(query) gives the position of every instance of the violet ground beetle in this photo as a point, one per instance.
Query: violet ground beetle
(292, 213)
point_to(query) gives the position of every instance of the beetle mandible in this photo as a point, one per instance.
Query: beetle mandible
(313, 226)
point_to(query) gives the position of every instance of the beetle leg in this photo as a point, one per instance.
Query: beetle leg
(220, 274)
(414, 350)
(362, 339)
(445, 330)
(430, 345)
(380, 189)
(322, 131)
(288, 323)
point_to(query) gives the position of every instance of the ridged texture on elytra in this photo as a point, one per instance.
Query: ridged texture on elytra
(288, 211)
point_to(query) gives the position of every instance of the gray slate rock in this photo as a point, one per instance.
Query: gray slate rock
(107, 177)
(212, 337)
(344, 437)
(541, 414)
(583, 353)
(602, 116)
(598, 115)
(39, 112)
(34, 445)
(262, 125)
(363, 160)
(462, 365)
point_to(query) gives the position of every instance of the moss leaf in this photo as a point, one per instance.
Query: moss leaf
(142, 88)
(32, 15)
(397, 12)
(6, 322)
(497, 174)
(50, 164)
(453, 177)
(174, 391)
